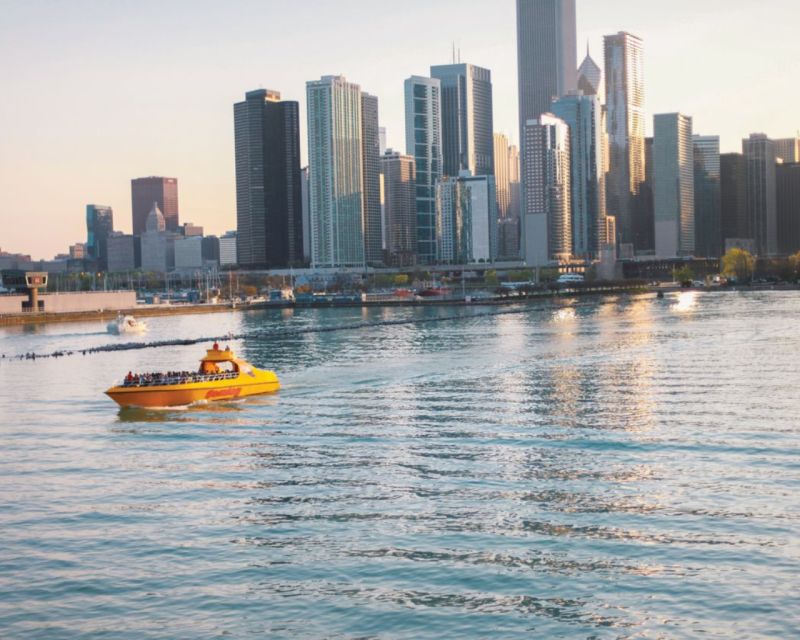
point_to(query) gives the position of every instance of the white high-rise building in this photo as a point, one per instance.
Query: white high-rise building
(624, 79)
(673, 175)
(466, 215)
(547, 192)
(336, 166)
(424, 144)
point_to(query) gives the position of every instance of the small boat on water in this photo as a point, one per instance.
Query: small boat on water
(124, 325)
(222, 376)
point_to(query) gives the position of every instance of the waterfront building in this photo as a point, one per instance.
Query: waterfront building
(734, 222)
(467, 120)
(760, 160)
(673, 171)
(707, 213)
(547, 192)
(787, 180)
(158, 244)
(788, 150)
(371, 152)
(122, 252)
(189, 253)
(211, 250)
(400, 208)
(625, 125)
(305, 197)
(584, 116)
(546, 55)
(335, 151)
(162, 191)
(268, 197)
(466, 213)
(227, 250)
(99, 226)
(424, 143)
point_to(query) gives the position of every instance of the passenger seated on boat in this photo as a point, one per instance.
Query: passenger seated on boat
(209, 369)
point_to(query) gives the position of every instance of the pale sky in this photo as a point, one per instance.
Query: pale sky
(96, 92)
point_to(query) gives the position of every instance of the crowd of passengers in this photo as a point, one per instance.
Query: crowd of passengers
(176, 377)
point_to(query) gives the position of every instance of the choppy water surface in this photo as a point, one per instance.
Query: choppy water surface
(607, 468)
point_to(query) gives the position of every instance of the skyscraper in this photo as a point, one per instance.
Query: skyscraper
(584, 115)
(760, 159)
(707, 215)
(99, 226)
(547, 55)
(788, 207)
(467, 129)
(335, 153)
(626, 131)
(590, 78)
(673, 171)
(502, 174)
(788, 149)
(162, 191)
(733, 195)
(400, 204)
(424, 144)
(371, 152)
(547, 192)
(268, 190)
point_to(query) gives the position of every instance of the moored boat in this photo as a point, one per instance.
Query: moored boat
(222, 376)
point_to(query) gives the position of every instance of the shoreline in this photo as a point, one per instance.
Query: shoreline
(145, 311)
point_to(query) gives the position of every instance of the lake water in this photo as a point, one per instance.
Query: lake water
(619, 467)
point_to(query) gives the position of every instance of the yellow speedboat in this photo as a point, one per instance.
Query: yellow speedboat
(222, 376)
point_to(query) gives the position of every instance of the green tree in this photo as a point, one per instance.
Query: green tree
(401, 280)
(684, 274)
(490, 278)
(739, 264)
(794, 264)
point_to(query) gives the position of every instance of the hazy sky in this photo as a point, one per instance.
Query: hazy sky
(96, 92)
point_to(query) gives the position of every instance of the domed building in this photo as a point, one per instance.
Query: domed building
(158, 245)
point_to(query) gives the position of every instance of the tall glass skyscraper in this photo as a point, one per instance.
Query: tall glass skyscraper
(584, 115)
(673, 175)
(269, 213)
(424, 144)
(626, 132)
(162, 191)
(707, 202)
(547, 197)
(335, 156)
(546, 55)
(99, 226)
(371, 144)
(467, 120)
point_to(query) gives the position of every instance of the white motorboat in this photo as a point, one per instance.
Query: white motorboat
(124, 325)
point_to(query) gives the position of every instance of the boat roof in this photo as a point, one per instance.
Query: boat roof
(220, 355)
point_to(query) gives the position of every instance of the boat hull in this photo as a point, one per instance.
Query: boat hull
(181, 395)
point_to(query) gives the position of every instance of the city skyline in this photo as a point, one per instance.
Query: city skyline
(89, 148)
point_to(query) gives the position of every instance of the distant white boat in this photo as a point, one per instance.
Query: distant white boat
(124, 325)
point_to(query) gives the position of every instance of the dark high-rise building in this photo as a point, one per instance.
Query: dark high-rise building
(99, 226)
(733, 197)
(371, 150)
(162, 191)
(400, 206)
(760, 158)
(269, 212)
(788, 187)
(547, 55)
(467, 119)
(708, 233)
